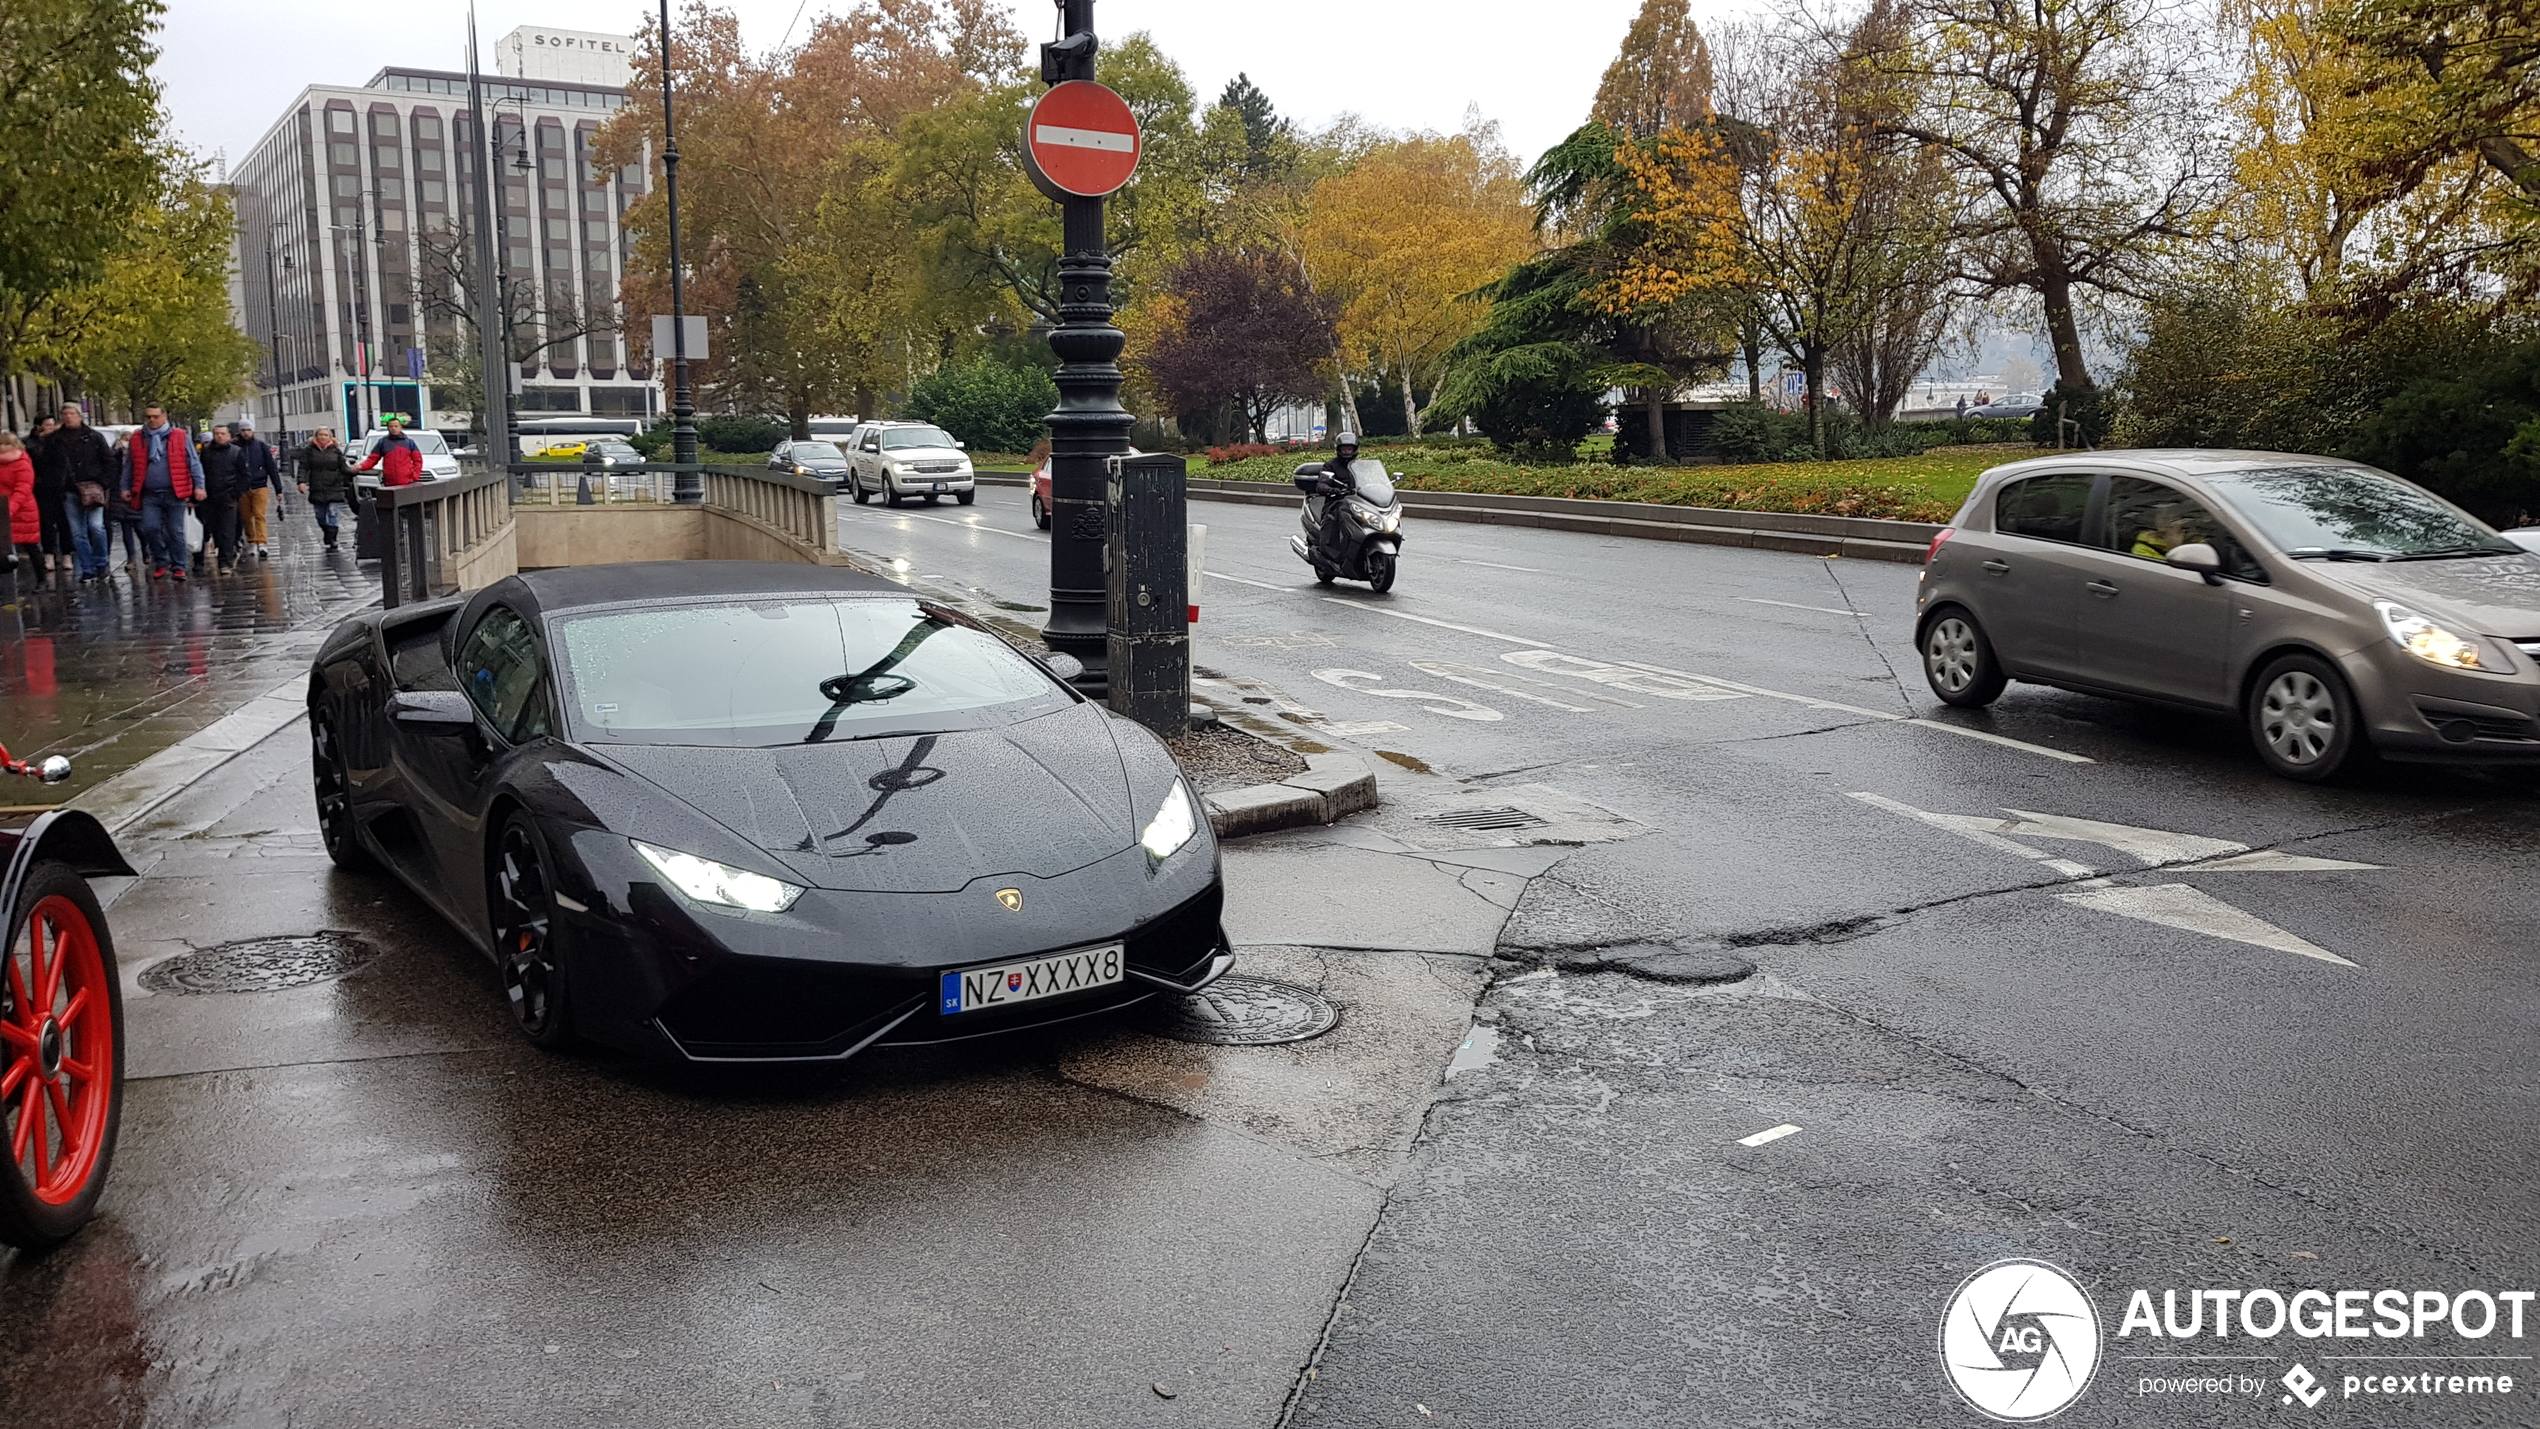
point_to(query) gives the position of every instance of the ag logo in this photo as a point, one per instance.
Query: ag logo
(2020, 1341)
(1011, 898)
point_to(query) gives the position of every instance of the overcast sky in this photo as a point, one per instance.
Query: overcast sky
(230, 66)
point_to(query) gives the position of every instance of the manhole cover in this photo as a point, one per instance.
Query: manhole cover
(1240, 1011)
(1506, 816)
(260, 964)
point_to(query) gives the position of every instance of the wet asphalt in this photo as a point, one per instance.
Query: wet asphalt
(362, 1201)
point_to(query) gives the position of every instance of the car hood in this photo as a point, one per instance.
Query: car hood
(2493, 595)
(1045, 797)
(925, 454)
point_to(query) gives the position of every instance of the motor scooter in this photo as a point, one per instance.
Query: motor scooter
(1371, 526)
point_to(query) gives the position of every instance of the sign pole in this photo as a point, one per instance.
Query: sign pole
(1090, 426)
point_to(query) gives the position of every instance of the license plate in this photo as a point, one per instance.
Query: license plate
(939, 486)
(971, 989)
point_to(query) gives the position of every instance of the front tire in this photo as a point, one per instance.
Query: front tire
(855, 486)
(1040, 513)
(890, 494)
(1959, 663)
(335, 800)
(2303, 719)
(1380, 571)
(522, 899)
(61, 1060)
(968, 498)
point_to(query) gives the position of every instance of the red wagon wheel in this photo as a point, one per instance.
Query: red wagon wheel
(61, 1060)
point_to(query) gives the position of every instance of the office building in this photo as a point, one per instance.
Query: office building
(356, 248)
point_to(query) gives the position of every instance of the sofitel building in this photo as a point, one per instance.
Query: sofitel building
(356, 248)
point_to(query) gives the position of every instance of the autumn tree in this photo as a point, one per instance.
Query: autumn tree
(154, 326)
(1407, 233)
(79, 146)
(1662, 78)
(1237, 328)
(2077, 121)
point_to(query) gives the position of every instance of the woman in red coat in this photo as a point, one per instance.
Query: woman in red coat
(17, 488)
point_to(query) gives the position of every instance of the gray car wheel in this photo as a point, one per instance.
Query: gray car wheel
(2303, 719)
(1959, 663)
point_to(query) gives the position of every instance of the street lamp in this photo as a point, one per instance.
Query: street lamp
(1090, 426)
(273, 324)
(687, 488)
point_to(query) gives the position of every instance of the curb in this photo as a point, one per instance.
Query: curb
(1333, 787)
(134, 794)
(1862, 538)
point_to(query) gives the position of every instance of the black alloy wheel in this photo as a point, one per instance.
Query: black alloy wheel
(523, 905)
(335, 800)
(1958, 661)
(2303, 719)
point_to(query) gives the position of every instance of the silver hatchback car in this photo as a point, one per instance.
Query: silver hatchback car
(2336, 609)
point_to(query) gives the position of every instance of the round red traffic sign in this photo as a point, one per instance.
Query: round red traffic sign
(1083, 139)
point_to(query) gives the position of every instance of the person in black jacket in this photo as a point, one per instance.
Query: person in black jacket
(224, 476)
(264, 480)
(83, 467)
(56, 540)
(1336, 483)
(326, 478)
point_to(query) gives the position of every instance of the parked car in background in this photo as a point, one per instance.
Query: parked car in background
(2337, 610)
(1041, 491)
(2025, 404)
(615, 454)
(816, 457)
(898, 460)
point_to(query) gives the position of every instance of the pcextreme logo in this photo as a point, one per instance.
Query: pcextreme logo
(2020, 1341)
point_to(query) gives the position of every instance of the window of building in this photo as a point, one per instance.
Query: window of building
(399, 313)
(595, 230)
(348, 186)
(383, 125)
(427, 127)
(550, 137)
(520, 256)
(339, 121)
(618, 401)
(392, 221)
(428, 160)
(552, 170)
(434, 191)
(343, 154)
(344, 217)
(385, 156)
(551, 399)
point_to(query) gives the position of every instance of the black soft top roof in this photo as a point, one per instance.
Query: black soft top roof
(567, 588)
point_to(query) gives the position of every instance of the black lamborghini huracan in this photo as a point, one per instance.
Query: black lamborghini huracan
(737, 811)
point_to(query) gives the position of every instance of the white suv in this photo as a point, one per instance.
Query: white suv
(439, 462)
(898, 460)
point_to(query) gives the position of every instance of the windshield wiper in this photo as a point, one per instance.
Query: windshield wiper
(871, 684)
(2453, 552)
(2337, 553)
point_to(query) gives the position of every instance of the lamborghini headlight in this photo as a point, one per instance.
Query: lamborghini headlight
(719, 884)
(2428, 641)
(1174, 823)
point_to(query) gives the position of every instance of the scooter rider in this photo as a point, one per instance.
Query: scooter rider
(1336, 484)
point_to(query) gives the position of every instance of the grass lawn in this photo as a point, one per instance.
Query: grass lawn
(1928, 487)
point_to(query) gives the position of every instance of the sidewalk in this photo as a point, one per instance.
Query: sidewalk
(109, 675)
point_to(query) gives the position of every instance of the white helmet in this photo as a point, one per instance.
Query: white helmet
(1345, 439)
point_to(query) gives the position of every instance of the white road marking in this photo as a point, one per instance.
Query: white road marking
(2149, 847)
(1482, 681)
(1245, 580)
(2175, 905)
(1809, 701)
(1973, 829)
(973, 524)
(1794, 605)
(1363, 726)
(1494, 565)
(1762, 1137)
(1447, 705)
(1506, 684)
(1668, 687)
(2269, 861)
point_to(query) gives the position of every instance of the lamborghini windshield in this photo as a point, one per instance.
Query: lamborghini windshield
(789, 670)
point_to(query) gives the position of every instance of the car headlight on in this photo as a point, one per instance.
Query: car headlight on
(802, 471)
(2428, 641)
(720, 884)
(1174, 823)
(1374, 518)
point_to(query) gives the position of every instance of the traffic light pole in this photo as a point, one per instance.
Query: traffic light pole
(1090, 426)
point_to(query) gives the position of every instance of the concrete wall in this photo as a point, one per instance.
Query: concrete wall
(488, 563)
(604, 535)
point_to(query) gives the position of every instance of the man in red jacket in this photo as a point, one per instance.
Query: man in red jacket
(399, 460)
(163, 478)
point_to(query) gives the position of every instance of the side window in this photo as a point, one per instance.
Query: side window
(500, 670)
(2147, 520)
(2044, 508)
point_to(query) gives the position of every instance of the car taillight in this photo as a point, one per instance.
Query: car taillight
(1939, 541)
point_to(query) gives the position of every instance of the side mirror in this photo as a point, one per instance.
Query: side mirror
(1066, 667)
(432, 711)
(2196, 556)
(961, 446)
(54, 769)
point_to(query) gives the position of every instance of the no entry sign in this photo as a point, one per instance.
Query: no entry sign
(1081, 141)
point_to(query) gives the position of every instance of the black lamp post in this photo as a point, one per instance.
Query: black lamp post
(1090, 425)
(687, 488)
